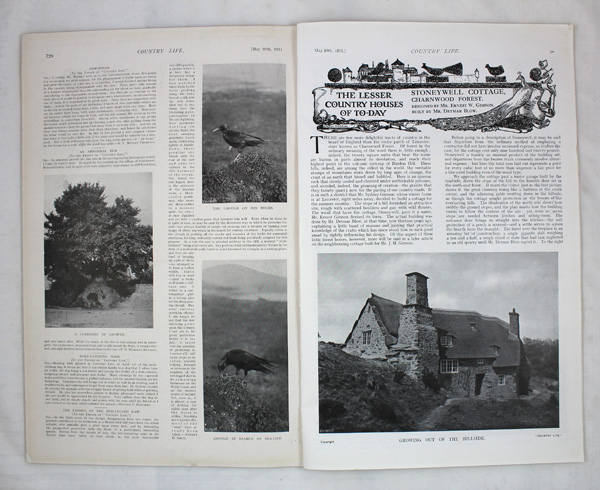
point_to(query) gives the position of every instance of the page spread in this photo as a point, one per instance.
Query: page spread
(341, 245)
(439, 245)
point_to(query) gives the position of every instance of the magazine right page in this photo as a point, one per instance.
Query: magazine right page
(439, 245)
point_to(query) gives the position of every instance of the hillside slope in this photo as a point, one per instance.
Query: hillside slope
(361, 395)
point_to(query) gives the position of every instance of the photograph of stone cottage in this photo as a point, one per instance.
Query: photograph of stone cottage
(474, 354)
(472, 345)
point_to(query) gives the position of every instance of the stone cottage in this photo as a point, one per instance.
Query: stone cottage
(471, 354)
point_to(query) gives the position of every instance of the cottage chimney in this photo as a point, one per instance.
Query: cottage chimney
(514, 323)
(416, 289)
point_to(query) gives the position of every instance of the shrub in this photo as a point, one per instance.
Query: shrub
(229, 407)
(430, 380)
(400, 373)
(249, 178)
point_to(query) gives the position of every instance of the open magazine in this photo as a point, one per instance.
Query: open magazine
(337, 245)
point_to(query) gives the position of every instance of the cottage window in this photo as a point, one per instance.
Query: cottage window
(480, 360)
(446, 341)
(449, 366)
(495, 350)
(501, 379)
(366, 337)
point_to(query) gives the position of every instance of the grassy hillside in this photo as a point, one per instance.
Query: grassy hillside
(478, 414)
(360, 395)
(229, 407)
(249, 178)
(258, 327)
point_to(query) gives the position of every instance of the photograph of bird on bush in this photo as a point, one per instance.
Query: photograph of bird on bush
(238, 140)
(244, 150)
(244, 361)
(244, 339)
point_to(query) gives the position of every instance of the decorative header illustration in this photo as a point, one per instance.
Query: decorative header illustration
(399, 96)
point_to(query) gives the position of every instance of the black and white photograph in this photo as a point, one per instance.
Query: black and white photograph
(244, 151)
(438, 342)
(245, 346)
(98, 260)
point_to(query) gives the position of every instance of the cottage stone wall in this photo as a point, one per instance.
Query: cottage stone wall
(429, 353)
(407, 361)
(377, 348)
(407, 332)
(509, 390)
(417, 344)
(463, 383)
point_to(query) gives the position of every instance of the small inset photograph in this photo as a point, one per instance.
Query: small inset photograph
(245, 346)
(98, 250)
(438, 342)
(244, 151)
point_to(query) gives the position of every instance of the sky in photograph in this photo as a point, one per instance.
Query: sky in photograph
(245, 279)
(274, 267)
(489, 283)
(136, 186)
(268, 77)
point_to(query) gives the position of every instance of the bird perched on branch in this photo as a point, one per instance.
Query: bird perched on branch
(245, 361)
(238, 140)
(495, 70)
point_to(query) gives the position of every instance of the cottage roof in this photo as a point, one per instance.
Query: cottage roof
(384, 314)
(388, 313)
(397, 63)
(474, 336)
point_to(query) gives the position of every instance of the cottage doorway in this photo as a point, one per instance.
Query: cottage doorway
(522, 384)
(478, 383)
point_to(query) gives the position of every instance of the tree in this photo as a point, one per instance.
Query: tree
(87, 241)
(543, 356)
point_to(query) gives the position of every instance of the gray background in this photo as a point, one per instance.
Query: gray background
(18, 17)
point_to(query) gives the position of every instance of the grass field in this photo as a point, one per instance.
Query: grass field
(258, 327)
(259, 113)
(87, 318)
(133, 312)
(481, 414)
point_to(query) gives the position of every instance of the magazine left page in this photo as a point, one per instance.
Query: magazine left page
(160, 291)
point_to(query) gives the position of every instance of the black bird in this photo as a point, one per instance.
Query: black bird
(236, 139)
(245, 361)
(495, 70)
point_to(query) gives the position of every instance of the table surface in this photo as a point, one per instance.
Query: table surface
(19, 17)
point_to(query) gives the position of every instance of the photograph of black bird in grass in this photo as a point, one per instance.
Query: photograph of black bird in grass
(244, 133)
(244, 338)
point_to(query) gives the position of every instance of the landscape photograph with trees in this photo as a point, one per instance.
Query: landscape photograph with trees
(98, 260)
